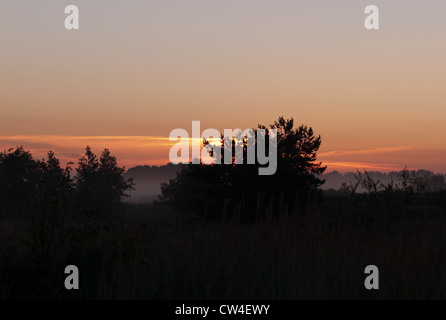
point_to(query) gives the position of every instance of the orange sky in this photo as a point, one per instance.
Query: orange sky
(137, 70)
(142, 150)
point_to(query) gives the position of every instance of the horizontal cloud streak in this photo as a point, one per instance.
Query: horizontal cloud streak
(154, 150)
(364, 151)
(386, 159)
(130, 150)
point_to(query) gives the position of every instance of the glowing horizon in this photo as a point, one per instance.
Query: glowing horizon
(136, 71)
(152, 150)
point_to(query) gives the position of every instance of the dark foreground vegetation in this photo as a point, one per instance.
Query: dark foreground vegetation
(312, 245)
(153, 252)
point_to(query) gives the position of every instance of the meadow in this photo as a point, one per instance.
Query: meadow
(155, 252)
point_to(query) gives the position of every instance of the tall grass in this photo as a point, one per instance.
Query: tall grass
(154, 253)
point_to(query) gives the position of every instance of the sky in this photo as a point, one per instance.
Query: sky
(136, 70)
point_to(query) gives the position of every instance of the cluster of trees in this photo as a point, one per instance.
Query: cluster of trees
(30, 185)
(237, 189)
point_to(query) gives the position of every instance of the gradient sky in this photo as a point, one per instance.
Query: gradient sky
(138, 69)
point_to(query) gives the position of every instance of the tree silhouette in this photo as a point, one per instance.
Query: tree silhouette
(53, 195)
(297, 148)
(44, 187)
(216, 190)
(100, 183)
(18, 172)
(54, 182)
(113, 184)
(87, 181)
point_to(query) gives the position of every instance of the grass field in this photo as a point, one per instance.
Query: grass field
(150, 252)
